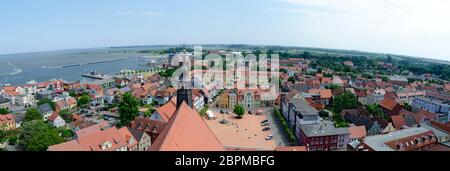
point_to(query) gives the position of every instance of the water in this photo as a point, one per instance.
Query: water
(20, 68)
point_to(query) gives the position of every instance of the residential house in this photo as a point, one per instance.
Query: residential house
(5, 103)
(165, 112)
(7, 122)
(348, 63)
(361, 117)
(323, 137)
(375, 97)
(390, 107)
(56, 120)
(357, 132)
(362, 96)
(325, 95)
(152, 127)
(144, 140)
(45, 110)
(223, 100)
(110, 139)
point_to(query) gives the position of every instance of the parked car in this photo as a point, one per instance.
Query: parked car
(265, 124)
(270, 137)
(264, 121)
(222, 112)
(266, 129)
(250, 112)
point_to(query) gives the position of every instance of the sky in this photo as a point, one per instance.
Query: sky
(407, 27)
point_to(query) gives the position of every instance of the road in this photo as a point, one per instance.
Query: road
(277, 130)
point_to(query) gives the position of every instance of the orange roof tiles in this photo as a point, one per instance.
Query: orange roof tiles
(398, 121)
(357, 132)
(166, 111)
(388, 103)
(6, 118)
(324, 93)
(107, 140)
(186, 131)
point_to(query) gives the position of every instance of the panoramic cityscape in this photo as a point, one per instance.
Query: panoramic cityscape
(176, 87)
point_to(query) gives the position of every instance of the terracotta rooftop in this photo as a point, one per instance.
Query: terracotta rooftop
(388, 103)
(357, 132)
(186, 131)
(398, 121)
(107, 140)
(166, 111)
(6, 118)
(324, 93)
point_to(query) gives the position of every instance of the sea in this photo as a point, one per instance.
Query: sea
(69, 65)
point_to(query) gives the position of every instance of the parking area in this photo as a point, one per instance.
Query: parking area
(245, 133)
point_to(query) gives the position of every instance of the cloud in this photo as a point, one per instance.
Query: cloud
(140, 13)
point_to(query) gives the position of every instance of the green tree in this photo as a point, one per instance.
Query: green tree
(4, 111)
(49, 101)
(333, 86)
(66, 115)
(12, 140)
(32, 114)
(345, 100)
(84, 100)
(38, 136)
(324, 114)
(376, 111)
(128, 109)
(239, 111)
(291, 79)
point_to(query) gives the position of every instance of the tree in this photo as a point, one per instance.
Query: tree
(84, 100)
(32, 114)
(128, 109)
(333, 87)
(4, 111)
(49, 101)
(239, 111)
(291, 79)
(324, 114)
(12, 140)
(345, 100)
(38, 136)
(66, 115)
(376, 111)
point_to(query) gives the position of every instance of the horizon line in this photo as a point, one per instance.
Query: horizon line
(208, 44)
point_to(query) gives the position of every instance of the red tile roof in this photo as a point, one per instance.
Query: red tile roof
(357, 132)
(388, 103)
(166, 111)
(443, 127)
(398, 121)
(186, 131)
(95, 142)
(324, 93)
(6, 118)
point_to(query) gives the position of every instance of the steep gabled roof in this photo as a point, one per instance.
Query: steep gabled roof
(388, 103)
(166, 111)
(186, 131)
